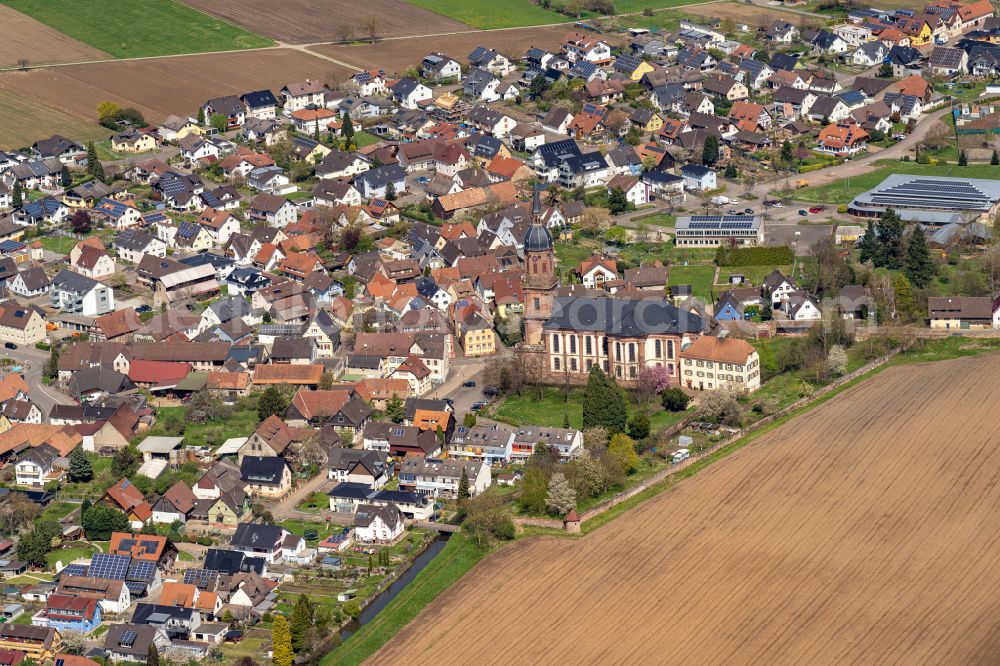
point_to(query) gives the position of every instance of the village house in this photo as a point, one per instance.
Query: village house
(720, 363)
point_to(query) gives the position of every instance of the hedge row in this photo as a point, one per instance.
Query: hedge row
(754, 256)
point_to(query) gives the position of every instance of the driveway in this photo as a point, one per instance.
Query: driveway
(285, 508)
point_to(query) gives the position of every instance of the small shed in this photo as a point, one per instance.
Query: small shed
(571, 523)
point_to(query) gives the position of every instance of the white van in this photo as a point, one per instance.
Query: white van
(680, 454)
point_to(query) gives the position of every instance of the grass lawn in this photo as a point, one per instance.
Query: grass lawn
(251, 646)
(300, 527)
(104, 151)
(547, 410)
(658, 220)
(58, 244)
(67, 555)
(315, 503)
(699, 277)
(570, 254)
(458, 556)
(754, 274)
(663, 419)
(843, 191)
(132, 29)
(239, 423)
(362, 139)
(35, 577)
(184, 556)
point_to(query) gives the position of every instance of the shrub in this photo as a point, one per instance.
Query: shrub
(638, 426)
(675, 400)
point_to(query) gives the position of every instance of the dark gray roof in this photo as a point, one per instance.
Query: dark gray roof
(261, 470)
(253, 535)
(624, 317)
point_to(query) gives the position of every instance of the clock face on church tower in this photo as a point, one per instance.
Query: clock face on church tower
(535, 258)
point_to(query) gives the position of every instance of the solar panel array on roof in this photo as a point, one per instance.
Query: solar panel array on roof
(931, 193)
(203, 579)
(155, 217)
(136, 587)
(74, 570)
(127, 638)
(141, 570)
(111, 567)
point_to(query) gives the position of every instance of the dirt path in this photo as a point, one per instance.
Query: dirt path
(286, 508)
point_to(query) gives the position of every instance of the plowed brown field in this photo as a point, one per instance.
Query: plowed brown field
(23, 37)
(305, 21)
(865, 531)
(161, 86)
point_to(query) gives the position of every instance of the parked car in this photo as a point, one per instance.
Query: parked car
(144, 308)
(803, 212)
(491, 392)
(733, 211)
(777, 204)
(748, 211)
(10, 345)
(476, 406)
(817, 209)
(469, 384)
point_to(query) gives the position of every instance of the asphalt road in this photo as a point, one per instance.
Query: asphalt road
(32, 362)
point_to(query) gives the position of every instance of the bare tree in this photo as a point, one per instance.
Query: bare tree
(371, 28)
(343, 33)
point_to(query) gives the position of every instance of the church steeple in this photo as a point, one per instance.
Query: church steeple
(536, 207)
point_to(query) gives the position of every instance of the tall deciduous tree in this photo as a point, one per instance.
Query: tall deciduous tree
(622, 449)
(562, 497)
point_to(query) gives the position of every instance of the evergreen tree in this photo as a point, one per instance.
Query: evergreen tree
(124, 462)
(919, 267)
(786, 152)
(17, 199)
(153, 656)
(731, 171)
(995, 159)
(906, 305)
(565, 419)
(394, 409)
(963, 160)
(890, 239)
(638, 426)
(562, 497)
(271, 402)
(301, 623)
(94, 168)
(870, 250)
(281, 643)
(463, 486)
(80, 468)
(201, 116)
(390, 192)
(710, 152)
(617, 201)
(347, 129)
(65, 178)
(603, 403)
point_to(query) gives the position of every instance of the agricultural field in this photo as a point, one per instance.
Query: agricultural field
(24, 122)
(843, 191)
(751, 15)
(801, 546)
(156, 87)
(134, 29)
(489, 15)
(305, 21)
(24, 38)
(399, 54)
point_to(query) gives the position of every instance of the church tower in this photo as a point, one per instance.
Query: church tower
(540, 280)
